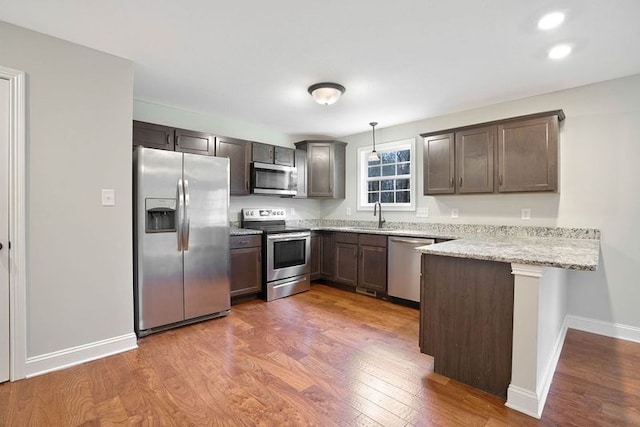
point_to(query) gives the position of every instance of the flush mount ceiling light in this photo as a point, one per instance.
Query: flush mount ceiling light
(326, 93)
(559, 51)
(550, 21)
(373, 156)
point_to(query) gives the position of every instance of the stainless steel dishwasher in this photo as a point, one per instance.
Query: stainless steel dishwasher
(404, 267)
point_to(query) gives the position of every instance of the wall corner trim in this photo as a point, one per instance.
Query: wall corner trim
(69, 357)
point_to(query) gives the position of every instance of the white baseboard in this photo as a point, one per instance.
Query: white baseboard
(66, 358)
(613, 330)
(533, 403)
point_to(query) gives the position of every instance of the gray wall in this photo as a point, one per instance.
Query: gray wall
(79, 255)
(599, 187)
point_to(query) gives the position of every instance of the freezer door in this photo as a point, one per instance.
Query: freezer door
(158, 280)
(206, 235)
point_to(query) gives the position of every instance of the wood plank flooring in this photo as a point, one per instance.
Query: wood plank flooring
(325, 357)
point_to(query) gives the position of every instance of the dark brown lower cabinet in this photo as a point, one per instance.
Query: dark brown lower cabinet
(466, 320)
(346, 264)
(315, 255)
(372, 271)
(246, 265)
(326, 255)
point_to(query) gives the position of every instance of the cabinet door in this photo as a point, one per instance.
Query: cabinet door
(301, 174)
(373, 268)
(528, 155)
(238, 152)
(320, 170)
(262, 153)
(328, 251)
(438, 163)
(315, 256)
(189, 141)
(283, 156)
(246, 271)
(152, 136)
(346, 255)
(474, 160)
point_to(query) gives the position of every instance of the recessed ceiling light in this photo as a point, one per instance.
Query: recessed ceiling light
(550, 21)
(559, 51)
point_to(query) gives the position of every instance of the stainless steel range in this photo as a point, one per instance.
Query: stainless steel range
(285, 252)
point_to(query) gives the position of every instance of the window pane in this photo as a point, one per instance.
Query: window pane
(387, 184)
(404, 156)
(374, 171)
(389, 170)
(387, 197)
(374, 186)
(403, 197)
(388, 157)
(373, 197)
(402, 184)
(404, 169)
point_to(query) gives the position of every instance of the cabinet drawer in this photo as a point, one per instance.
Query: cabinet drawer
(373, 240)
(249, 241)
(346, 238)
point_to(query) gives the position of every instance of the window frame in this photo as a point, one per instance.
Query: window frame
(362, 187)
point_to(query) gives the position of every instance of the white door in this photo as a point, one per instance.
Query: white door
(4, 230)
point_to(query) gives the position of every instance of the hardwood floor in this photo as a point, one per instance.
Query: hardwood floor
(325, 357)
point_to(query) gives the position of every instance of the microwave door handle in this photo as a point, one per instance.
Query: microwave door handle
(179, 214)
(187, 216)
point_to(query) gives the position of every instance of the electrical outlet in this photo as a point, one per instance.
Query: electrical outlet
(525, 213)
(422, 213)
(347, 211)
(454, 213)
(108, 197)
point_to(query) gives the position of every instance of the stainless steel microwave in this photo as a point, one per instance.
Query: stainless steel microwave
(273, 179)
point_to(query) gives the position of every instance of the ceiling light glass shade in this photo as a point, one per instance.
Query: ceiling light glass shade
(326, 93)
(559, 51)
(550, 21)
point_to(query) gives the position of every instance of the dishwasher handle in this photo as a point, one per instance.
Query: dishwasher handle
(412, 241)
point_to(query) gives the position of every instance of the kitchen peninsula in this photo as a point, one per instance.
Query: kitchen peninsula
(493, 309)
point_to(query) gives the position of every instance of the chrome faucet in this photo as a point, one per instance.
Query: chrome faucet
(377, 206)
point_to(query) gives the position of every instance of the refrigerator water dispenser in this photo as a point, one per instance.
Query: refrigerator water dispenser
(161, 215)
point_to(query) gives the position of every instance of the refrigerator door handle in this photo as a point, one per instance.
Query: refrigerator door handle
(179, 214)
(187, 220)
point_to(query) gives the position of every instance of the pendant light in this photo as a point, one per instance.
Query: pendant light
(373, 156)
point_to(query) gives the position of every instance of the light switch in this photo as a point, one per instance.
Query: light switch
(108, 197)
(525, 213)
(347, 211)
(454, 213)
(422, 213)
(293, 211)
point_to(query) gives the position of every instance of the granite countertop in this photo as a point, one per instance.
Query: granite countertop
(237, 231)
(574, 254)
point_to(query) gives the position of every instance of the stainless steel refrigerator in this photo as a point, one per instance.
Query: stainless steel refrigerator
(181, 238)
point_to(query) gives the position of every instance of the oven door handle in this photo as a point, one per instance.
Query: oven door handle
(283, 237)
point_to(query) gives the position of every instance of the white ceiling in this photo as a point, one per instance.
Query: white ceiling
(400, 61)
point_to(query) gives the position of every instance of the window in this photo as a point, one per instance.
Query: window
(390, 180)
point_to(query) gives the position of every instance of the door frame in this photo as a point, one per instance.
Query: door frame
(17, 223)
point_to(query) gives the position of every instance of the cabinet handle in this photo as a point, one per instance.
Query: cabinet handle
(168, 140)
(452, 182)
(460, 182)
(500, 179)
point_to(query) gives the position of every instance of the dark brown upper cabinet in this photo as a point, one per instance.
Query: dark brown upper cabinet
(474, 160)
(510, 155)
(153, 136)
(238, 152)
(284, 156)
(262, 153)
(190, 141)
(325, 168)
(167, 138)
(439, 164)
(528, 155)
